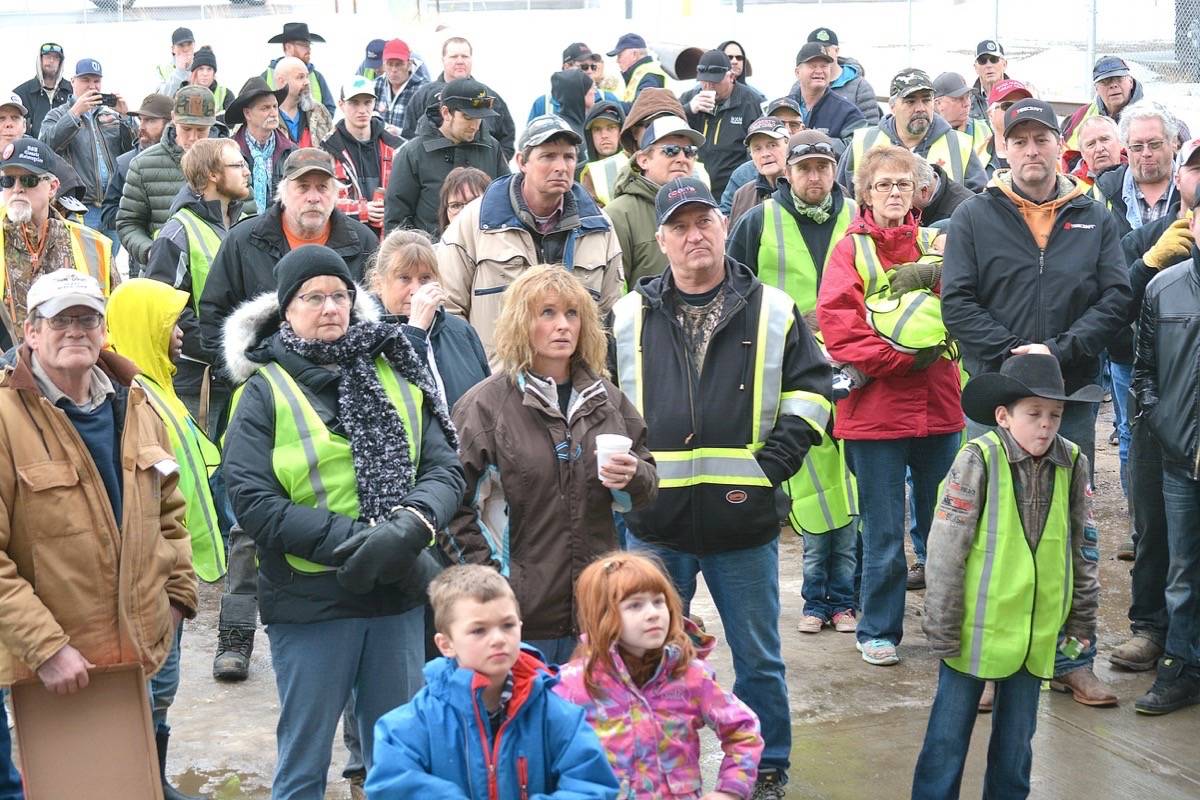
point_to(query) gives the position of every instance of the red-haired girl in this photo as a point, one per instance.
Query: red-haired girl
(640, 673)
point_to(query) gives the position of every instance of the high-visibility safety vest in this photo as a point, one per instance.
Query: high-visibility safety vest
(314, 85)
(91, 254)
(1093, 110)
(604, 175)
(824, 493)
(198, 459)
(951, 151)
(783, 258)
(203, 244)
(651, 67)
(912, 321)
(734, 466)
(1015, 598)
(981, 137)
(219, 95)
(313, 464)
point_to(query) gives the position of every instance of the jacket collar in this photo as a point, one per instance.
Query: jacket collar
(783, 196)
(542, 393)
(1059, 453)
(207, 210)
(496, 210)
(268, 231)
(738, 279)
(458, 686)
(119, 370)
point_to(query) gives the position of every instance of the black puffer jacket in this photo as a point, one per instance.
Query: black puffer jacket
(501, 127)
(280, 526)
(1166, 372)
(244, 267)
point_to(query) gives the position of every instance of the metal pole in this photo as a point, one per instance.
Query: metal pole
(910, 41)
(996, 20)
(628, 9)
(1092, 35)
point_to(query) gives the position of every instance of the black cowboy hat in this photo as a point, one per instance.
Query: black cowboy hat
(295, 32)
(251, 90)
(1033, 375)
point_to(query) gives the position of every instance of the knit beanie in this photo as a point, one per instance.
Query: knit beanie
(309, 261)
(204, 57)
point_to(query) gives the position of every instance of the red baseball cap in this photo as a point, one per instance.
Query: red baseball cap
(396, 48)
(1008, 89)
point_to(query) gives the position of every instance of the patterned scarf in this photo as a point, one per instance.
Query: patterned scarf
(818, 213)
(260, 166)
(383, 471)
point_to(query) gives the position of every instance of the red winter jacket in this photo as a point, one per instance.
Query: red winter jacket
(898, 403)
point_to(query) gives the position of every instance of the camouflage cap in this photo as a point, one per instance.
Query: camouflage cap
(195, 105)
(909, 81)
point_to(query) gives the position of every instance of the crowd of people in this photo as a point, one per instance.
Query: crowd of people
(461, 411)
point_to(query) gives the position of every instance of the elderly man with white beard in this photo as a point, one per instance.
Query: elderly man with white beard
(305, 121)
(33, 240)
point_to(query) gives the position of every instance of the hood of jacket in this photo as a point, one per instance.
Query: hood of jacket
(457, 686)
(208, 210)
(42, 77)
(600, 107)
(650, 103)
(141, 316)
(747, 70)
(570, 88)
(496, 209)
(1134, 96)
(851, 70)
(247, 333)
(1038, 216)
(631, 181)
(342, 138)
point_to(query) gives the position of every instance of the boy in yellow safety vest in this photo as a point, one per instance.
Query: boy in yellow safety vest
(1012, 558)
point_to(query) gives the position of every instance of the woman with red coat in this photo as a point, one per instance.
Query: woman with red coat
(904, 412)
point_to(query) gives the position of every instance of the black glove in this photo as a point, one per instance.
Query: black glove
(925, 357)
(382, 554)
(910, 277)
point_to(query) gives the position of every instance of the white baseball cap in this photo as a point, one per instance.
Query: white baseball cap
(54, 292)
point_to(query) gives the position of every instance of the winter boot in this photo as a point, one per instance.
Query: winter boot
(1175, 686)
(235, 643)
(169, 791)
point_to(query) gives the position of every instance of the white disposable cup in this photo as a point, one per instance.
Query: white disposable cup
(710, 95)
(608, 445)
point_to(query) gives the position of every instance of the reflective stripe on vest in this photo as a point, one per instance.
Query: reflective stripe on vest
(604, 175)
(824, 493)
(783, 258)
(1073, 140)
(952, 159)
(314, 85)
(91, 254)
(1016, 599)
(642, 70)
(981, 137)
(219, 97)
(723, 465)
(314, 465)
(203, 244)
(910, 322)
(198, 458)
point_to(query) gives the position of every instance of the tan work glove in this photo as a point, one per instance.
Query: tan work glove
(1173, 246)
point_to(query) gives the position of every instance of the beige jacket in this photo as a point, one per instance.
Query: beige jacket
(68, 573)
(489, 245)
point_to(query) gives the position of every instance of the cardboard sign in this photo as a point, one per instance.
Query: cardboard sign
(96, 742)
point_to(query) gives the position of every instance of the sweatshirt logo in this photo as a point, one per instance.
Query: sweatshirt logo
(736, 496)
(1077, 225)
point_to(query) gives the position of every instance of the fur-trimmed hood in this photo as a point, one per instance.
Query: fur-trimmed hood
(257, 319)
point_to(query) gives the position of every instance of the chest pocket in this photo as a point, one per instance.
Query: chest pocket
(53, 497)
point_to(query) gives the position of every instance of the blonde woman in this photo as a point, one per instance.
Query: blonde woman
(537, 507)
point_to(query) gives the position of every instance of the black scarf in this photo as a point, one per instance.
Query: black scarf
(383, 471)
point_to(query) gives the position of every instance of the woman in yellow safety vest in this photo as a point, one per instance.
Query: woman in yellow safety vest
(341, 465)
(903, 414)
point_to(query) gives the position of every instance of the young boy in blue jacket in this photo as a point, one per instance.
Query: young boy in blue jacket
(486, 726)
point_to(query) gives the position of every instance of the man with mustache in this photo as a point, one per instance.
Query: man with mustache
(32, 240)
(306, 122)
(264, 146)
(914, 125)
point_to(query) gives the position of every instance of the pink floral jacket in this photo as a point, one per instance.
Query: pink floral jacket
(651, 734)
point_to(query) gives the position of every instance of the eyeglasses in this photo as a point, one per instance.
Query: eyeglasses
(1141, 147)
(315, 300)
(589, 66)
(28, 181)
(480, 100)
(672, 150)
(1005, 105)
(987, 60)
(88, 322)
(886, 187)
(802, 150)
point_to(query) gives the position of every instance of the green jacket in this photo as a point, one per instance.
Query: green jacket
(632, 215)
(150, 187)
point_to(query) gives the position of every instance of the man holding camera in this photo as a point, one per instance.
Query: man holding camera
(90, 131)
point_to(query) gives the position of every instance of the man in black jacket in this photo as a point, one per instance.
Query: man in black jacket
(46, 89)
(1165, 376)
(722, 110)
(734, 391)
(457, 140)
(937, 196)
(1033, 266)
(363, 150)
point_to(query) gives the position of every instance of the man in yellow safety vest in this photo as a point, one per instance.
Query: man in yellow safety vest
(639, 69)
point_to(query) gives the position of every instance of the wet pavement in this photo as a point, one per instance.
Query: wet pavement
(857, 728)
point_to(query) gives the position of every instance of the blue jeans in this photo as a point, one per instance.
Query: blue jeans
(1122, 377)
(10, 779)
(744, 584)
(1182, 496)
(164, 685)
(948, 735)
(879, 467)
(318, 666)
(92, 220)
(913, 533)
(828, 586)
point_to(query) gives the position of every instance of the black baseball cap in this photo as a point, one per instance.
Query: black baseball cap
(1030, 110)
(679, 193)
(713, 66)
(782, 102)
(824, 36)
(181, 35)
(28, 153)
(989, 47)
(578, 51)
(628, 41)
(470, 97)
(813, 51)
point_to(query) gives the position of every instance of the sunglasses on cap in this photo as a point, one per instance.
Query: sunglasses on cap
(672, 150)
(51, 49)
(986, 59)
(818, 148)
(480, 100)
(28, 181)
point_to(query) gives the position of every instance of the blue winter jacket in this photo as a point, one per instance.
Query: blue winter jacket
(438, 744)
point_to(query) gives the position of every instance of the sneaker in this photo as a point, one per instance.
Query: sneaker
(1114, 439)
(1175, 687)
(1126, 550)
(811, 624)
(879, 652)
(845, 622)
(916, 576)
(769, 786)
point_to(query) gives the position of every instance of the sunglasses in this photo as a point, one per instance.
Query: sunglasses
(51, 49)
(820, 148)
(988, 60)
(589, 66)
(672, 150)
(480, 100)
(28, 181)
